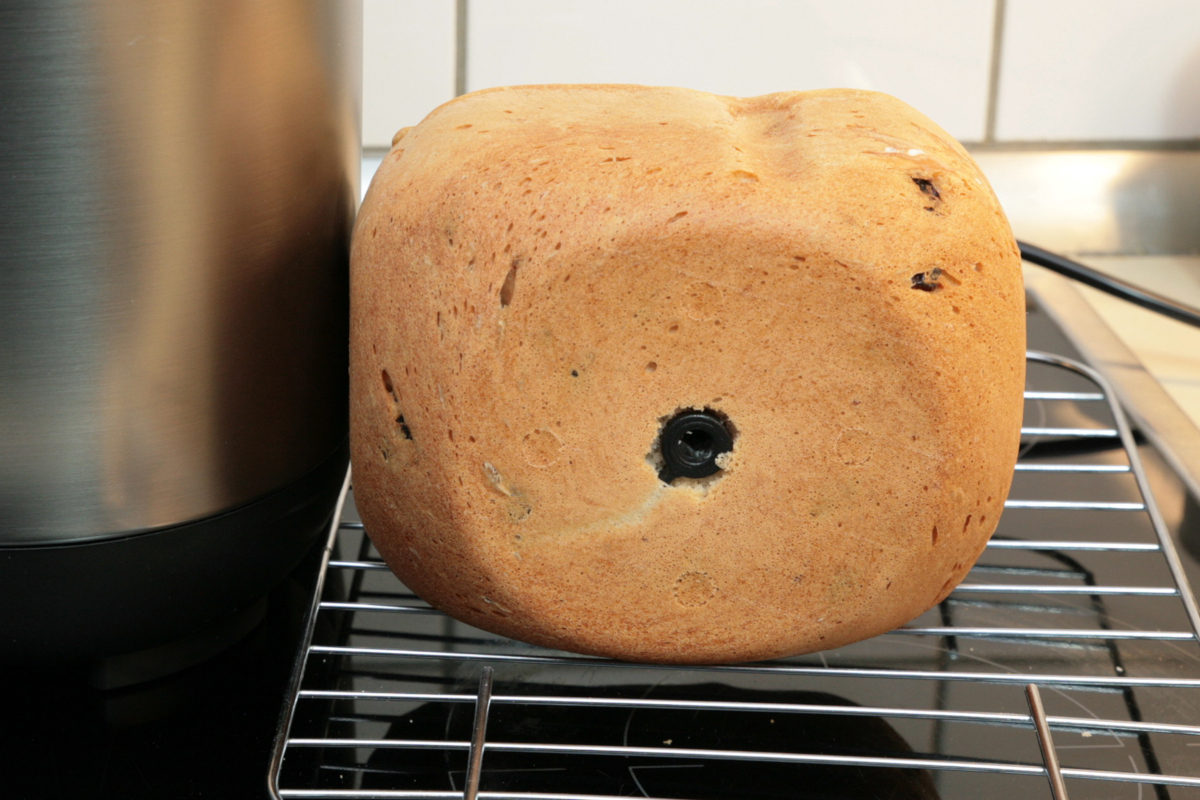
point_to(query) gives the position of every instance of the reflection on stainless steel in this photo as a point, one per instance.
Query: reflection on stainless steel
(177, 185)
(1156, 415)
(1101, 201)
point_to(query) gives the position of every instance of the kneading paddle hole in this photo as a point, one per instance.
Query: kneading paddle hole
(691, 443)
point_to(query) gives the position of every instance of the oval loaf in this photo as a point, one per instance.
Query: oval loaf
(543, 275)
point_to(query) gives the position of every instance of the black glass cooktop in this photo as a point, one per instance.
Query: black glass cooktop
(204, 732)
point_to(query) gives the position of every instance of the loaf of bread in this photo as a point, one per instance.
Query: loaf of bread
(667, 376)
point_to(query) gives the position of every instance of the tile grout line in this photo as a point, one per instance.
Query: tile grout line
(993, 90)
(460, 47)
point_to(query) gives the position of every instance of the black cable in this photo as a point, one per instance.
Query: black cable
(1106, 283)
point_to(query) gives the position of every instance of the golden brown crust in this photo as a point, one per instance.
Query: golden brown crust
(546, 273)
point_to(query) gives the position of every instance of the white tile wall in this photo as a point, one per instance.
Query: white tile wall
(1100, 69)
(408, 64)
(1074, 70)
(933, 54)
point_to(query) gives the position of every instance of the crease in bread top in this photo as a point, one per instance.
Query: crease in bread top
(708, 151)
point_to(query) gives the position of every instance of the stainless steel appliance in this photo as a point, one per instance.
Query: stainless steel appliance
(178, 180)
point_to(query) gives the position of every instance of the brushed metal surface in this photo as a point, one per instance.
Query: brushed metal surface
(1115, 202)
(178, 179)
(1106, 202)
(1154, 412)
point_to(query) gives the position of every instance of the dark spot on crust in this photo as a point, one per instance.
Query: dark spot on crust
(927, 281)
(929, 190)
(390, 388)
(926, 186)
(510, 283)
(574, 373)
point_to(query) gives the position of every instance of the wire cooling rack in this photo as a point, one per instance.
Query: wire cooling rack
(1068, 660)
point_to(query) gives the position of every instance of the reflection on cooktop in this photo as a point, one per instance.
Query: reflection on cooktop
(205, 731)
(711, 779)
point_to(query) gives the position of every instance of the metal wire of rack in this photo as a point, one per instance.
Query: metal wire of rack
(390, 698)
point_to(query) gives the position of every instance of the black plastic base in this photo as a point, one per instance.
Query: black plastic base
(89, 602)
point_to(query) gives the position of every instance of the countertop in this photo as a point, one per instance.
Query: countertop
(1131, 212)
(1169, 349)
